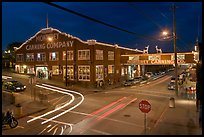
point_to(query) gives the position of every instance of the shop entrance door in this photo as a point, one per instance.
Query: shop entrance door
(42, 72)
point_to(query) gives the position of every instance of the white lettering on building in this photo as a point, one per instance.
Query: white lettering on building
(50, 45)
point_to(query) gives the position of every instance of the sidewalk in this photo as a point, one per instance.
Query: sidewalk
(180, 120)
(28, 106)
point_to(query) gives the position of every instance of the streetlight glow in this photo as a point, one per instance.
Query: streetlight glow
(164, 33)
(49, 39)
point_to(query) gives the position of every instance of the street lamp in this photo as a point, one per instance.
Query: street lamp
(166, 35)
(175, 52)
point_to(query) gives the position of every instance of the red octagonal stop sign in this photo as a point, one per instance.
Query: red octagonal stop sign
(144, 106)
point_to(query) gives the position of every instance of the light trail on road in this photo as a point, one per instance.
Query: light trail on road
(56, 108)
(60, 90)
(60, 107)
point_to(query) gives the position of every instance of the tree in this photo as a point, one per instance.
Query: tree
(8, 56)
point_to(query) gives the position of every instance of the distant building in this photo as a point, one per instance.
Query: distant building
(44, 55)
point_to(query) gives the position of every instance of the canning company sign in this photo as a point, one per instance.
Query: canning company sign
(54, 43)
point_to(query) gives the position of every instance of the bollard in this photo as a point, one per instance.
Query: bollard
(12, 99)
(18, 110)
(172, 102)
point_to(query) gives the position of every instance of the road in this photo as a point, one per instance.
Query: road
(110, 112)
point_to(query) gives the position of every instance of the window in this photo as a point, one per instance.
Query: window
(84, 73)
(30, 70)
(84, 55)
(41, 57)
(19, 58)
(110, 55)
(122, 71)
(69, 55)
(70, 72)
(22, 69)
(55, 70)
(99, 54)
(29, 57)
(110, 69)
(99, 72)
(53, 56)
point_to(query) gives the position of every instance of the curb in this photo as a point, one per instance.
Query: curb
(30, 113)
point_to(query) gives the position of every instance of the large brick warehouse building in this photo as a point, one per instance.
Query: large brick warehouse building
(44, 55)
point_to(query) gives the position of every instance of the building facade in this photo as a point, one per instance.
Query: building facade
(52, 54)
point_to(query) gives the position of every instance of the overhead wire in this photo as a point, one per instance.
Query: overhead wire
(98, 21)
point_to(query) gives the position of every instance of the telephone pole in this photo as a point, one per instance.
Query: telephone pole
(175, 52)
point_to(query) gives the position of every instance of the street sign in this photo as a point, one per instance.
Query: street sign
(144, 106)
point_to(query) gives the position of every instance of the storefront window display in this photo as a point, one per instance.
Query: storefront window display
(84, 73)
(70, 72)
(99, 72)
(30, 70)
(55, 70)
(110, 69)
(42, 72)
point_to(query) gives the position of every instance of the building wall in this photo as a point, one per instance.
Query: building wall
(39, 43)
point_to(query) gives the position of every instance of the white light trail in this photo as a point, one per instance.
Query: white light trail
(68, 109)
(56, 108)
(55, 131)
(62, 130)
(44, 129)
(52, 128)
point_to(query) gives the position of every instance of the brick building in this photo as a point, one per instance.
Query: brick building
(44, 55)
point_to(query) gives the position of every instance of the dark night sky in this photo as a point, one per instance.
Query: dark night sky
(22, 20)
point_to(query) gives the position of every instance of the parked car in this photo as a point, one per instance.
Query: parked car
(14, 85)
(172, 85)
(129, 82)
(173, 79)
(149, 74)
(138, 79)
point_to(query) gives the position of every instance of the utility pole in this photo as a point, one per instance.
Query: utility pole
(175, 52)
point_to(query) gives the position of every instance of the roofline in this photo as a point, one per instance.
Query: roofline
(70, 36)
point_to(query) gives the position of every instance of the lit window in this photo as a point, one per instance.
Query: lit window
(41, 57)
(110, 69)
(84, 55)
(53, 56)
(84, 73)
(29, 57)
(19, 58)
(70, 72)
(99, 72)
(70, 55)
(99, 54)
(110, 55)
(55, 70)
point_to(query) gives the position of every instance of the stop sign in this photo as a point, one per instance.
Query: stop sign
(144, 106)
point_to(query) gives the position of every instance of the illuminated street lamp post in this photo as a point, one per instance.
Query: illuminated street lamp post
(175, 52)
(166, 36)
